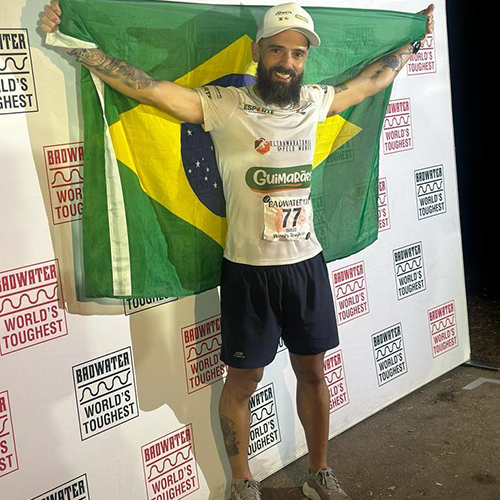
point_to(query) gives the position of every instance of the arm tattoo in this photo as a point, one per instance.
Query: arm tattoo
(229, 433)
(129, 75)
(395, 62)
(340, 88)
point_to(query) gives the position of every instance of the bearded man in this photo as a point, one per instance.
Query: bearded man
(274, 278)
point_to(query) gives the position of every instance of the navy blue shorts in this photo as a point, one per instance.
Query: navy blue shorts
(260, 304)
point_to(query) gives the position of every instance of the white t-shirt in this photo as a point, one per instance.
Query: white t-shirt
(265, 156)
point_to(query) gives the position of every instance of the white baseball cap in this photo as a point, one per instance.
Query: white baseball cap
(287, 16)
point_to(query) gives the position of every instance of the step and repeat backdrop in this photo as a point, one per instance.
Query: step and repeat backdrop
(117, 399)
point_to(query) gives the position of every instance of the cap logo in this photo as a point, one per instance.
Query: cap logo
(287, 16)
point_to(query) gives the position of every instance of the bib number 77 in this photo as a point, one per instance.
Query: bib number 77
(287, 212)
(287, 218)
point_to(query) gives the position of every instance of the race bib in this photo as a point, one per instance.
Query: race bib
(287, 218)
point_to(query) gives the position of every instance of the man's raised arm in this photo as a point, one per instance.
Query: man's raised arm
(177, 100)
(377, 76)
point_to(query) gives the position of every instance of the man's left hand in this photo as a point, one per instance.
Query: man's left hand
(429, 12)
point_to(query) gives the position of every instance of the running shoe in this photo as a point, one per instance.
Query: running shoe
(245, 489)
(323, 485)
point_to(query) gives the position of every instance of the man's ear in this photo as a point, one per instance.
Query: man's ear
(255, 52)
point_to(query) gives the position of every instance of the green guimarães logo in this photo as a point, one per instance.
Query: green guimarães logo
(268, 180)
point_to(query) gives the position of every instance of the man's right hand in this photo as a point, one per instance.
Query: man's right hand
(51, 17)
(179, 101)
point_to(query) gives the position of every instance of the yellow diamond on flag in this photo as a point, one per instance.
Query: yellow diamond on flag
(330, 135)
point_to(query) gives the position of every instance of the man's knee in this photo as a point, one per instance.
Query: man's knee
(308, 369)
(243, 382)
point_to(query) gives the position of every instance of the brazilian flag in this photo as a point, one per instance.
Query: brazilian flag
(154, 213)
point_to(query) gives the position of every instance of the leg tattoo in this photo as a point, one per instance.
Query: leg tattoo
(229, 433)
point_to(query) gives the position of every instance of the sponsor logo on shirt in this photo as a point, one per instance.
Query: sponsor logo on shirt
(321, 86)
(251, 108)
(303, 109)
(271, 179)
(263, 146)
(291, 146)
(213, 88)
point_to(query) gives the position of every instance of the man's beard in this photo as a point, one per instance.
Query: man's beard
(278, 93)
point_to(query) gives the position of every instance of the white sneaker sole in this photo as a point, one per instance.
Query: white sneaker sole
(310, 493)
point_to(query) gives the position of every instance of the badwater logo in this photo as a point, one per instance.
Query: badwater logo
(384, 219)
(105, 392)
(76, 489)
(443, 328)
(430, 192)
(202, 342)
(264, 427)
(17, 84)
(272, 179)
(397, 133)
(424, 61)
(31, 307)
(133, 306)
(8, 453)
(170, 469)
(333, 366)
(64, 167)
(389, 354)
(349, 292)
(409, 270)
